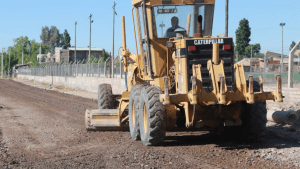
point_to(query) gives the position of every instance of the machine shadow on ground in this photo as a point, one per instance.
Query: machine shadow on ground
(271, 140)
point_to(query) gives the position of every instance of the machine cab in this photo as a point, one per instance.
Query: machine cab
(172, 18)
(157, 21)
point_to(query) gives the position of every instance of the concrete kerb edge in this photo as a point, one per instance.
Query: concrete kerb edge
(79, 83)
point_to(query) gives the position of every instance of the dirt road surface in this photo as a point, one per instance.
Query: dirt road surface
(45, 129)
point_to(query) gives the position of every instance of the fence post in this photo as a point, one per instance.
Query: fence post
(76, 68)
(105, 63)
(69, 69)
(120, 67)
(56, 69)
(112, 68)
(93, 68)
(265, 65)
(82, 68)
(99, 67)
(86, 67)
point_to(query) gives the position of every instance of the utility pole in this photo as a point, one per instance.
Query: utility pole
(162, 25)
(75, 43)
(91, 21)
(251, 60)
(291, 66)
(265, 67)
(226, 18)
(281, 61)
(113, 40)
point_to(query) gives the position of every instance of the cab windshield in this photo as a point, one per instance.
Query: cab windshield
(167, 19)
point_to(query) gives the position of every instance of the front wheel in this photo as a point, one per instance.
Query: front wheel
(133, 110)
(152, 116)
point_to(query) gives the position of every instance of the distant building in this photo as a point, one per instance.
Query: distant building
(257, 64)
(41, 57)
(45, 58)
(271, 65)
(297, 52)
(63, 54)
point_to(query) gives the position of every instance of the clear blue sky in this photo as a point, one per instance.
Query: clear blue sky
(26, 18)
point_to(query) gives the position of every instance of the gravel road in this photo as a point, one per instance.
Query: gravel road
(45, 129)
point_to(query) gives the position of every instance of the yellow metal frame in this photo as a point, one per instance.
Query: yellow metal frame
(173, 2)
(220, 94)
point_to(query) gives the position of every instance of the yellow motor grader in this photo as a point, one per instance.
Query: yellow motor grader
(181, 78)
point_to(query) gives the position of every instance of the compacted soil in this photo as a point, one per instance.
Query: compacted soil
(45, 129)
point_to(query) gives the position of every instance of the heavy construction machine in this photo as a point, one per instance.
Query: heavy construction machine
(183, 78)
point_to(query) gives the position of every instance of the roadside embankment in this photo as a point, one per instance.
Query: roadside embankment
(291, 98)
(78, 83)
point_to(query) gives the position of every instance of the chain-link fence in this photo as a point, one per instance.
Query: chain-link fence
(269, 68)
(104, 70)
(85, 68)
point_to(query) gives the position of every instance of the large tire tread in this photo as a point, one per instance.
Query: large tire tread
(156, 114)
(134, 98)
(255, 118)
(105, 96)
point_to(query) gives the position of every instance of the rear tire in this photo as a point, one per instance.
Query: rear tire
(152, 117)
(254, 119)
(105, 96)
(255, 123)
(133, 111)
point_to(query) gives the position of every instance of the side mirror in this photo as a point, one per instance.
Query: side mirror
(170, 44)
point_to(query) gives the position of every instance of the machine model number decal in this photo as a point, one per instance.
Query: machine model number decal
(208, 41)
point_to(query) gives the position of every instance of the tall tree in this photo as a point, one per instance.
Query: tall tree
(45, 35)
(51, 37)
(66, 39)
(255, 50)
(54, 38)
(30, 48)
(243, 34)
(292, 45)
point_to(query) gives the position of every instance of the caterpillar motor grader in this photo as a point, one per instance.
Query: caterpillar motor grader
(181, 78)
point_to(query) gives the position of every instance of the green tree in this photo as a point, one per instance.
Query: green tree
(117, 63)
(51, 37)
(255, 50)
(30, 48)
(54, 38)
(94, 58)
(66, 39)
(243, 34)
(45, 35)
(292, 45)
(12, 58)
(104, 57)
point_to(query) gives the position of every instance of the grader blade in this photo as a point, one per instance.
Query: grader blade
(104, 120)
